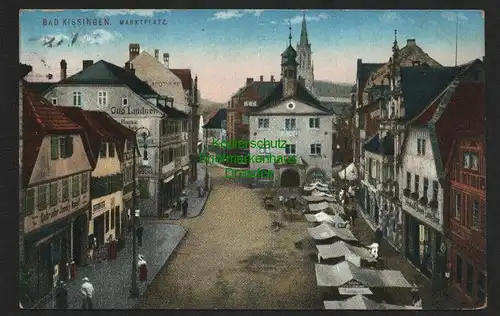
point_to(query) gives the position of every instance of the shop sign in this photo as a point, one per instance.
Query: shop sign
(98, 208)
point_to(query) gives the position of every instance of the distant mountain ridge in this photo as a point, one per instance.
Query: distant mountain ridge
(207, 107)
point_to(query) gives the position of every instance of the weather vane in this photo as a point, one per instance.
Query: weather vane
(290, 34)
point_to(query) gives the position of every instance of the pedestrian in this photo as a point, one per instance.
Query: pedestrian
(378, 234)
(139, 232)
(61, 296)
(184, 207)
(87, 290)
(354, 215)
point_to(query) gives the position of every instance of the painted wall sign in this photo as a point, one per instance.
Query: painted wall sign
(45, 217)
(126, 110)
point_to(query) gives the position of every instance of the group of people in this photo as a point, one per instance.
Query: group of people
(87, 290)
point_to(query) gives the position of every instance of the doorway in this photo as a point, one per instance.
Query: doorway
(290, 178)
(99, 230)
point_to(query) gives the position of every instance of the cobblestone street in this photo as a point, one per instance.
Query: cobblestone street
(232, 258)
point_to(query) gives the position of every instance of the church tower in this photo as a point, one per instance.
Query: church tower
(289, 68)
(304, 59)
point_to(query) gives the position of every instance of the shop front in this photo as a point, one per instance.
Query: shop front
(422, 243)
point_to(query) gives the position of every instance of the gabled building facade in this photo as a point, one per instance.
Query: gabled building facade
(290, 113)
(105, 87)
(107, 177)
(215, 130)
(56, 166)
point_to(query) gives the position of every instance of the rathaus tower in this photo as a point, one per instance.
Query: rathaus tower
(305, 68)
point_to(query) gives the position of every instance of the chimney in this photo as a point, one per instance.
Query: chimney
(261, 78)
(157, 54)
(249, 81)
(133, 51)
(166, 59)
(411, 42)
(64, 68)
(86, 64)
(272, 78)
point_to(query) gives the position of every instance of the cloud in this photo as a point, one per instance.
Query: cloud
(138, 12)
(227, 15)
(309, 18)
(234, 14)
(99, 37)
(452, 16)
(48, 38)
(254, 12)
(390, 16)
(274, 22)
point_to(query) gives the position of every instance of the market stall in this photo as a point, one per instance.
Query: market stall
(327, 234)
(340, 251)
(318, 218)
(364, 303)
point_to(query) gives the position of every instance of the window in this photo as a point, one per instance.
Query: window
(65, 190)
(75, 185)
(124, 101)
(314, 122)
(435, 188)
(457, 205)
(107, 221)
(475, 215)
(54, 148)
(112, 219)
(408, 180)
(263, 151)
(263, 123)
(421, 147)
(316, 149)
(290, 149)
(458, 275)
(290, 124)
(111, 150)
(470, 279)
(245, 119)
(102, 99)
(77, 99)
(42, 197)
(85, 182)
(481, 287)
(54, 101)
(467, 160)
(426, 186)
(417, 184)
(66, 146)
(29, 202)
(53, 194)
(102, 153)
(474, 161)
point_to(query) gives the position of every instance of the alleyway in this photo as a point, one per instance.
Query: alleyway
(231, 258)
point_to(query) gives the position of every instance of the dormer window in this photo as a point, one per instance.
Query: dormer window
(61, 147)
(54, 101)
(124, 101)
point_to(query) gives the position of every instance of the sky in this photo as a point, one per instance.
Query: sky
(224, 47)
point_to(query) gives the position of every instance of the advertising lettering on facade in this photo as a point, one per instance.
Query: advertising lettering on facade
(162, 84)
(45, 217)
(125, 110)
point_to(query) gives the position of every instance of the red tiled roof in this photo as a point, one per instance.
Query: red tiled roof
(464, 113)
(185, 76)
(40, 118)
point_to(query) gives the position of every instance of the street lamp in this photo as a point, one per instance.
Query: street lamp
(134, 290)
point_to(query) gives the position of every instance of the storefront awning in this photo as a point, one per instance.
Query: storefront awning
(46, 233)
(167, 180)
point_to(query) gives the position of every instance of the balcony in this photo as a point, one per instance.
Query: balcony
(426, 210)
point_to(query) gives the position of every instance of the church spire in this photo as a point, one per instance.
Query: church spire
(289, 33)
(303, 32)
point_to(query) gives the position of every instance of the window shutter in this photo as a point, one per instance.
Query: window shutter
(69, 146)
(54, 143)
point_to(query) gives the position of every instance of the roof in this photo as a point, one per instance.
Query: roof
(386, 147)
(326, 231)
(41, 118)
(290, 51)
(40, 87)
(338, 108)
(366, 69)
(263, 88)
(332, 89)
(344, 272)
(216, 120)
(96, 132)
(185, 76)
(317, 207)
(420, 85)
(363, 303)
(173, 113)
(24, 70)
(407, 55)
(103, 72)
(301, 94)
(342, 249)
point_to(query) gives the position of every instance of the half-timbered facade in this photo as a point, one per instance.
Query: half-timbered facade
(56, 193)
